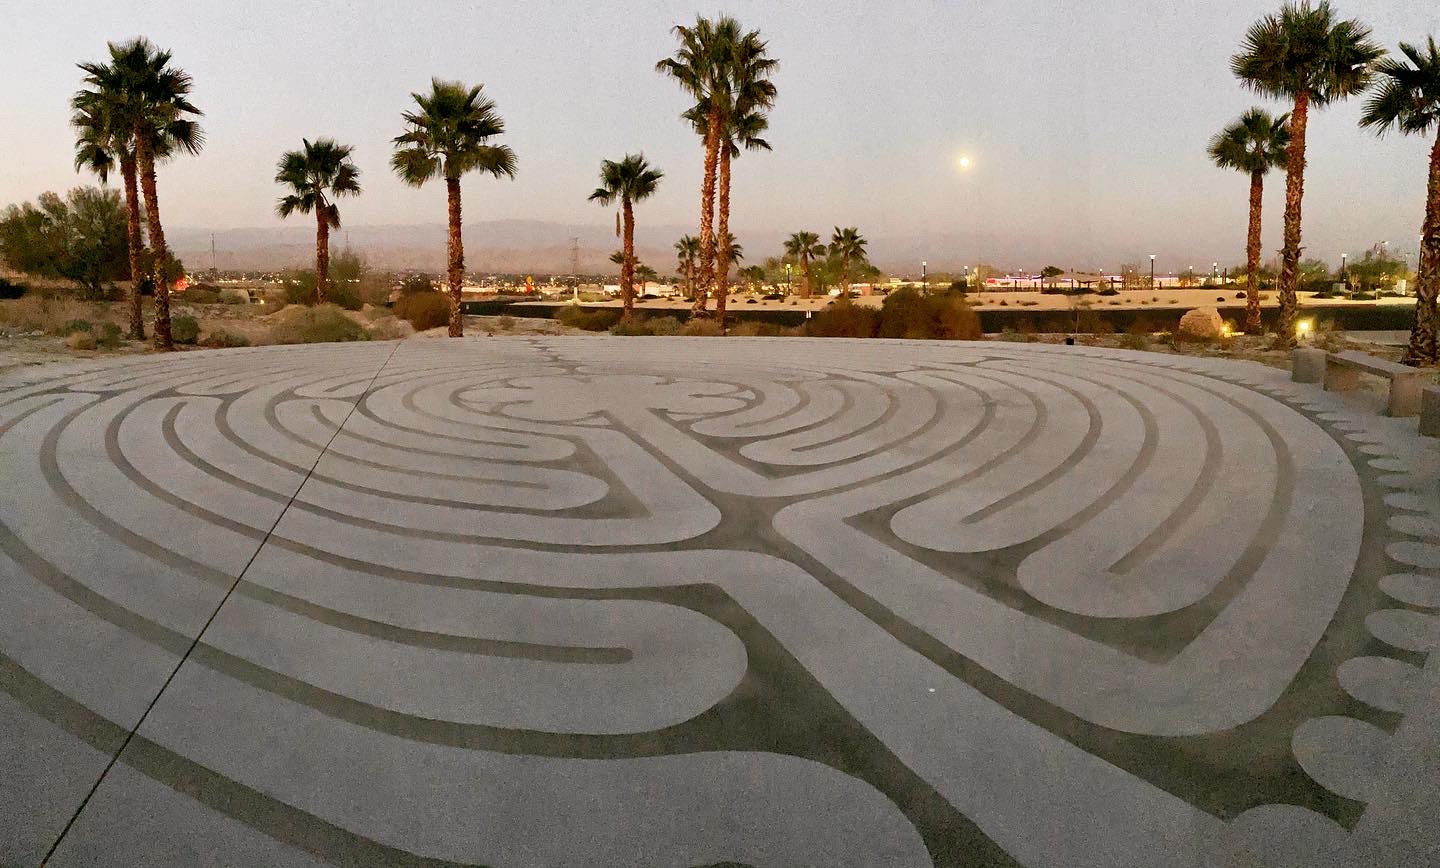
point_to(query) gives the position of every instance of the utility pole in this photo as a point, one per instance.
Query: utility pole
(213, 269)
(575, 266)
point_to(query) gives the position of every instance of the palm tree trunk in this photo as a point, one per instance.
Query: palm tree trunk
(1252, 256)
(322, 254)
(805, 290)
(627, 268)
(845, 274)
(135, 244)
(722, 230)
(1294, 192)
(145, 157)
(1423, 350)
(707, 210)
(456, 249)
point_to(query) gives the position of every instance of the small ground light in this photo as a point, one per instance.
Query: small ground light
(1304, 327)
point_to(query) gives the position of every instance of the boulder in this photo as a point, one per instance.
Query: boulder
(1202, 322)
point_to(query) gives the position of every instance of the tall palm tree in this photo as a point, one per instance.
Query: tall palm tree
(1254, 144)
(701, 67)
(849, 246)
(687, 252)
(149, 95)
(1303, 54)
(317, 174)
(104, 140)
(803, 247)
(630, 180)
(727, 251)
(1407, 98)
(750, 92)
(450, 135)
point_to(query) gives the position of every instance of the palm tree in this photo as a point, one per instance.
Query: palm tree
(802, 247)
(700, 65)
(1254, 144)
(727, 251)
(1303, 54)
(630, 180)
(1407, 98)
(743, 122)
(450, 135)
(150, 96)
(316, 175)
(687, 251)
(754, 276)
(848, 245)
(103, 140)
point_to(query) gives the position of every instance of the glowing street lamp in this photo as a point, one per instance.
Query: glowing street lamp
(1152, 271)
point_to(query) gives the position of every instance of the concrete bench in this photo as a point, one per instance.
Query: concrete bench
(1343, 370)
(1430, 412)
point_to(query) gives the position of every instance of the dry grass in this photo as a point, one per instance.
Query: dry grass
(41, 313)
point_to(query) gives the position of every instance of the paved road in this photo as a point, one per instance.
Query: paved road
(586, 601)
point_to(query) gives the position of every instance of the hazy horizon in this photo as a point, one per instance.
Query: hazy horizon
(1087, 127)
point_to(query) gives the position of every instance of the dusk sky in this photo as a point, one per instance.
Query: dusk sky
(1087, 123)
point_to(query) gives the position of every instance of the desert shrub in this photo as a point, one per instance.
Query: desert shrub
(664, 325)
(231, 296)
(505, 322)
(1143, 325)
(753, 329)
(423, 310)
(325, 323)
(845, 319)
(107, 335)
(389, 328)
(184, 328)
(344, 293)
(631, 328)
(1090, 322)
(1239, 295)
(200, 294)
(1109, 290)
(416, 283)
(591, 320)
(71, 327)
(81, 341)
(702, 328)
(1015, 336)
(219, 339)
(1131, 341)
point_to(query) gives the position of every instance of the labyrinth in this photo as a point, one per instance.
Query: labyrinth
(680, 602)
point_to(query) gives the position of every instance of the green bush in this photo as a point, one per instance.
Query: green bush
(107, 335)
(589, 319)
(221, 339)
(231, 296)
(344, 293)
(423, 310)
(754, 329)
(326, 323)
(200, 294)
(416, 283)
(631, 328)
(664, 325)
(906, 313)
(845, 319)
(71, 327)
(1015, 337)
(184, 329)
(1135, 341)
(702, 328)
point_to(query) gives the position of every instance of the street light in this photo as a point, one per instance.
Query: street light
(1344, 273)
(789, 280)
(1152, 271)
(925, 275)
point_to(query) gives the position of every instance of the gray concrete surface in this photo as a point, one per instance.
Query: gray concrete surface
(667, 601)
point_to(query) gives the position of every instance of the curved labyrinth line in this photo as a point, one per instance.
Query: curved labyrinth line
(430, 581)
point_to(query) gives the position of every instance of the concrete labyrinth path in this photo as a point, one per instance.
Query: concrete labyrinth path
(596, 601)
